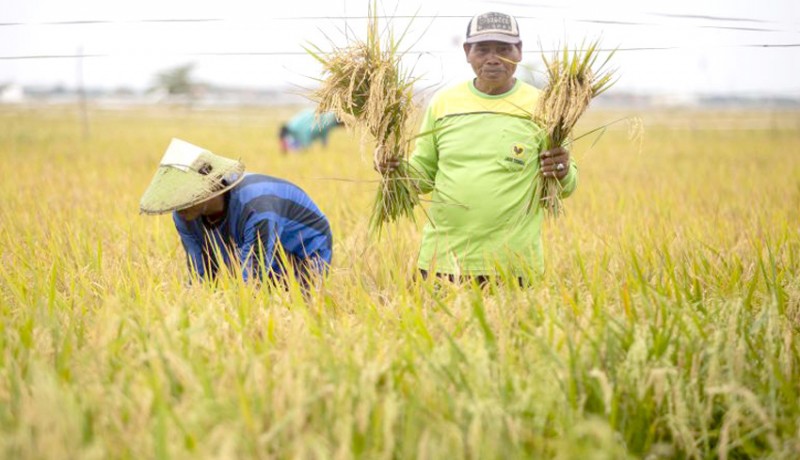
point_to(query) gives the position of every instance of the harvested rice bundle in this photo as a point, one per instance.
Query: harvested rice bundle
(572, 83)
(365, 87)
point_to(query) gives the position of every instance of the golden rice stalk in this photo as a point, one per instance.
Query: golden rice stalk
(572, 83)
(365, 86)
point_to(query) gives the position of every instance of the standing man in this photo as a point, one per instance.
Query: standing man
(479, 158)
(305, 128)
(266, 226)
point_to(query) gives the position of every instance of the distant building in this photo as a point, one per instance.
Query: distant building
(676, 100)
(11, 94)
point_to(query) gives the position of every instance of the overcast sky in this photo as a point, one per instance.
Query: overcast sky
(742, 47)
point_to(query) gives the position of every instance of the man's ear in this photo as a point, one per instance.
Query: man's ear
(466, 50)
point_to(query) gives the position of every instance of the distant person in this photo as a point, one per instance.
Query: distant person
(223, 215)
(300, 132)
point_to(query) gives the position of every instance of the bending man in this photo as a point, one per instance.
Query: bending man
(224, 216)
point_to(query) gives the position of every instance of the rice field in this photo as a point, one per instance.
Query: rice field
(666, 326)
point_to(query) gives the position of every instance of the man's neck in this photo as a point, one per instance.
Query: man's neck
(494, 90)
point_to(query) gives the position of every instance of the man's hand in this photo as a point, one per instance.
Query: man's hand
(387, 167)
(554, 162)
(384, 165)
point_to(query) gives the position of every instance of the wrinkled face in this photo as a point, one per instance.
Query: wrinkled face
(494, 63)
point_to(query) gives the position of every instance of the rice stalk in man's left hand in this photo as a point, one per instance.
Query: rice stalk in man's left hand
(573, 80)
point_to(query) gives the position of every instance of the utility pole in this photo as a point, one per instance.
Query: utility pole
(82, 96)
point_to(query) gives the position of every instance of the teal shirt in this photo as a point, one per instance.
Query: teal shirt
(305, 127)
(480, 160)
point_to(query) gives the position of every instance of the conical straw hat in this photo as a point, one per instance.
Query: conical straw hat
(189, 175)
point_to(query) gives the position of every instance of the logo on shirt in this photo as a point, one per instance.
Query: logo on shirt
(517, 154)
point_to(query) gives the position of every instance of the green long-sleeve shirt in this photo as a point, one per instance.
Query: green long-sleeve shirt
(479, 160)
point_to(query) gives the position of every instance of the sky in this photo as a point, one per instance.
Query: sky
(681, 47)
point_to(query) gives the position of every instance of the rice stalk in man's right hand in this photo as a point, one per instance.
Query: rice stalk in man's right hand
(366, 87)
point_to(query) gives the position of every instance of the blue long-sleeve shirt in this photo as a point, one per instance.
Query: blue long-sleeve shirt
(264, 217)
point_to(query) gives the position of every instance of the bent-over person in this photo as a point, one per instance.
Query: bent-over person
(264, 225)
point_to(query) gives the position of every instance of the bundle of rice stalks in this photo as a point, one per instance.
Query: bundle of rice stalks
(366, 88)
(572, 83)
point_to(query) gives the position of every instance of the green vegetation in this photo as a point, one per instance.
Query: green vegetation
(666, 325)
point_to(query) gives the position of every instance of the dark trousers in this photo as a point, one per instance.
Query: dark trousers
(481, 280)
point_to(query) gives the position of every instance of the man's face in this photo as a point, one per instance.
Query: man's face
(494, 63)
(192, 213)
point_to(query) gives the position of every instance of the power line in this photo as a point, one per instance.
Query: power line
(650, 13)
(303, 53)
(84, 22)
(627, 23)
(52, 56)
(710, 18)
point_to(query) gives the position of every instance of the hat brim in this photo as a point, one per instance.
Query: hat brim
(170, 192)
(503, 38)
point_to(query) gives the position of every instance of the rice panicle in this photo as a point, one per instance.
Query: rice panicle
(573, 80)
(366, 87)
